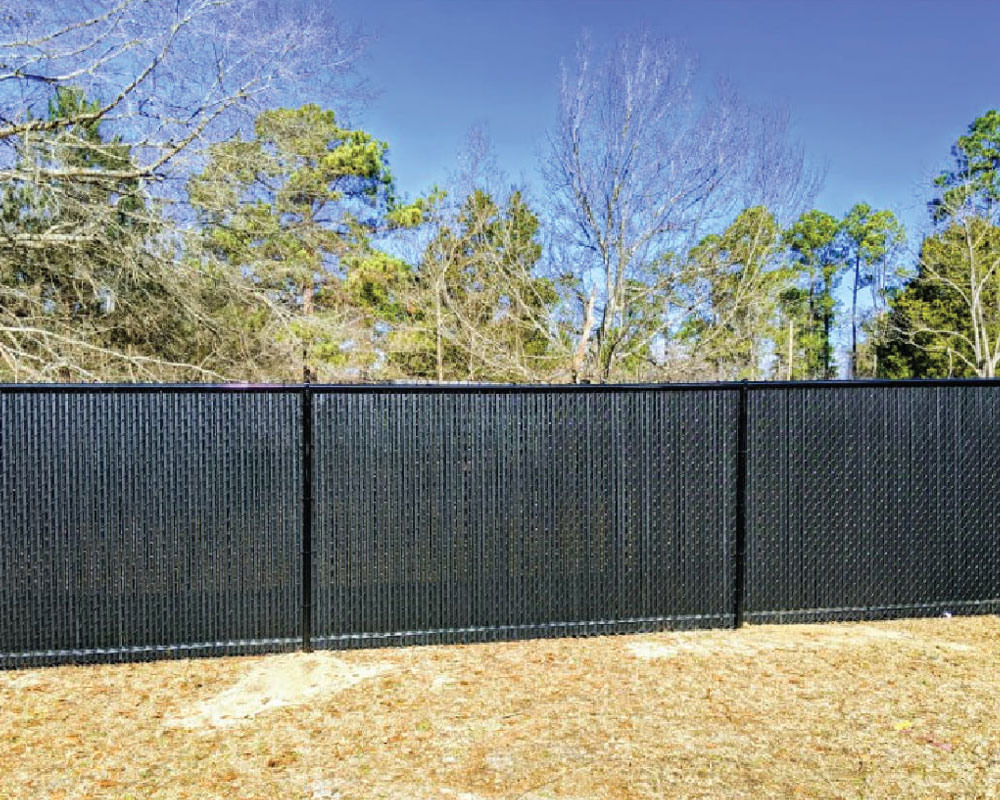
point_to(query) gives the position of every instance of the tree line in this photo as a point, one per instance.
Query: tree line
(164, 218)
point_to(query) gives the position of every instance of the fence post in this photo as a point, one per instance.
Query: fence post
(739, 546)
(307, 502)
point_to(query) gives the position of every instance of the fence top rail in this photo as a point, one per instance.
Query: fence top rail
(480, 388)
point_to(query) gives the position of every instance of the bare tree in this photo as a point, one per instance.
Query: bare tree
(947, 318)
(165, 73)
(775, 173)
(477, 168)
(637, 172)
(105, 106)
(951, 310)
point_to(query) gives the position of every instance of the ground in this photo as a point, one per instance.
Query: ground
(907, 709)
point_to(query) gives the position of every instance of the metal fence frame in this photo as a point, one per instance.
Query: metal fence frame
(738, 563)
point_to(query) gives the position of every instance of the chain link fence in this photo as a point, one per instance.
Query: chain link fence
(142, 522)
(872, 502)
(135, 524)
(467, 516)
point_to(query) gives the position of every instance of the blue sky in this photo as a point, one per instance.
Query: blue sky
(877, 90)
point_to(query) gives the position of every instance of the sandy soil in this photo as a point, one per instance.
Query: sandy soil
(293, 679)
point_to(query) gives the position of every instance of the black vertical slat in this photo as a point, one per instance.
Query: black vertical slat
(307, 519)
(739, 541)
(464, 515)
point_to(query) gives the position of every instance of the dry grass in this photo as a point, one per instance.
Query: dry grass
(905, 709)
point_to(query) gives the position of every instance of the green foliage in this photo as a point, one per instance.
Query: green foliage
(974, 179)
(296, 209)
(475, 308)
(946, 320)
(295, 263)
(870, 235)
(799, 342)
(415, 213)
(735, 278)
(813, 244)
(870, 238)
(83, 292)
(931, 329)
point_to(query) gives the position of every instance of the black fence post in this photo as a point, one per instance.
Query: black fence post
(739, 546)
(307, 502)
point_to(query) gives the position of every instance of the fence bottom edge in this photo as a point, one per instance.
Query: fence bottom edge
(489, 633)
(528, 631)
(98, 655)
(874, 613)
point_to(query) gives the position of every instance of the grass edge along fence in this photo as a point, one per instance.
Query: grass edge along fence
(151, 521)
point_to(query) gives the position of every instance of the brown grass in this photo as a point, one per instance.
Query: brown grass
(905, 709)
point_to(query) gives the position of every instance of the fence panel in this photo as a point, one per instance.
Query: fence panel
(150, 522)
(873, 502)
(491, 514)
(144, 524)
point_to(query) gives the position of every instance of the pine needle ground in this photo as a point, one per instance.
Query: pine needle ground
(875, 710)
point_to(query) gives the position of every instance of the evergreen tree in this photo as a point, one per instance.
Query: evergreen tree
(295, 209)
(85, 292)
(476, 308)
(812, 241)
(946, 321)
(870, 238)
(732, 281)
(972, 185)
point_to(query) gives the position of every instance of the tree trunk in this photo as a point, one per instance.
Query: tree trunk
(308, 299)
(438, 335)
(827, 320)
(791, 347)
(588, 326)
(854, 319)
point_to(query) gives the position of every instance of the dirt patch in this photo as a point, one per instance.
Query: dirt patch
(279, 681)
(754, 641)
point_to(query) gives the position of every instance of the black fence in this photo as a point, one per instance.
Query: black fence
(140, 522)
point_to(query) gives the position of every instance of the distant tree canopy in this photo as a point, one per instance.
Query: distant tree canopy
(734, 279)
(813, 247)
(97, 124)
(945, 321)
(162, 217)
(85, 290)
(477, 308)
